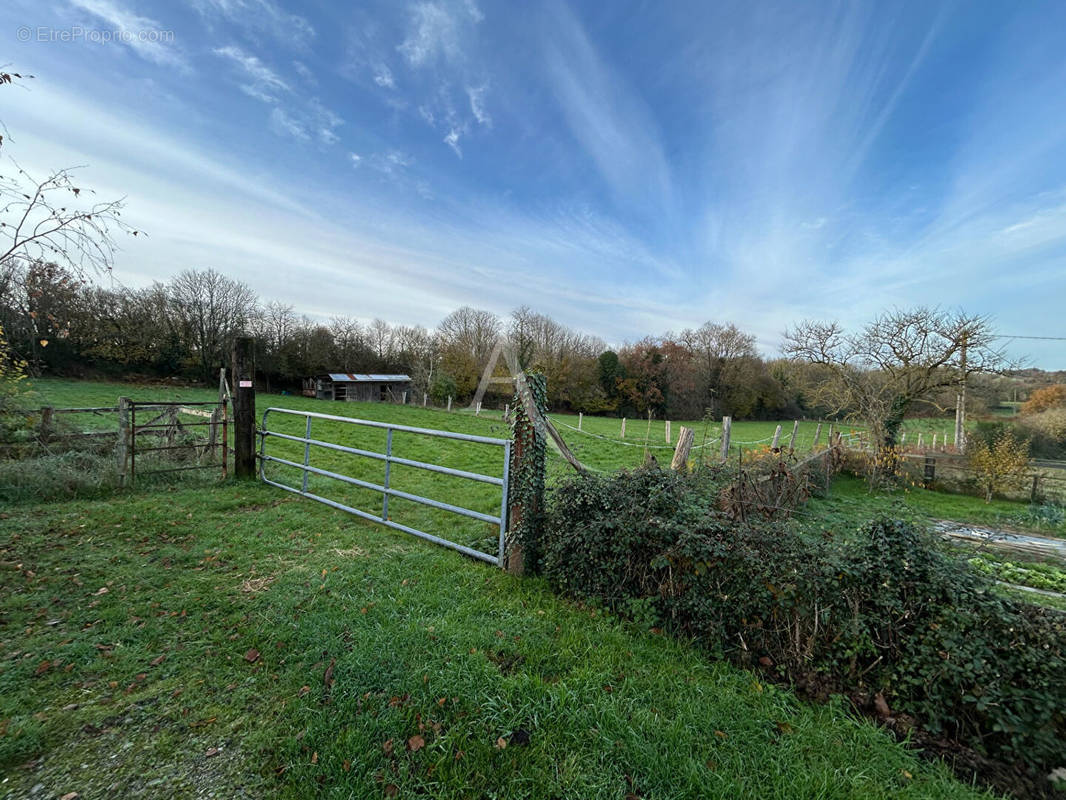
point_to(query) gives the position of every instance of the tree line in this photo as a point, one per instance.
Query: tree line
(62, 324)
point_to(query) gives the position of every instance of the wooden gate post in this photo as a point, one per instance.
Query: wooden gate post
(525, 499)
(243, 408)
(122, 446)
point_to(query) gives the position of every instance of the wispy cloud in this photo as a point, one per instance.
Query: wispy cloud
(284, 125)
(610, 121)
(262, 82)
(452, 140)
(356, 159)
(435, 32)
(305, 72)
(141, 34)
(303, 119)
(260, 17)
(383, 76)
(477, 104)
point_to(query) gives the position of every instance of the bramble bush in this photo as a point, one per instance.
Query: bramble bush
(894, 614)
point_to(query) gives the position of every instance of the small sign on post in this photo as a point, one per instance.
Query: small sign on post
(244, 409)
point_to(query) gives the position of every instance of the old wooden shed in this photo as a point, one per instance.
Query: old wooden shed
(363, 387)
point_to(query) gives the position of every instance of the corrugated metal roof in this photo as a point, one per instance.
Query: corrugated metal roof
(349, 377)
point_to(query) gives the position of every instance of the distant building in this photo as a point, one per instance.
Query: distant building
(363, 388)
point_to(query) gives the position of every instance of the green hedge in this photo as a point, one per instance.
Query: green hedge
(894, 614)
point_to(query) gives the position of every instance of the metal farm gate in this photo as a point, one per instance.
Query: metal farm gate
(385, 488)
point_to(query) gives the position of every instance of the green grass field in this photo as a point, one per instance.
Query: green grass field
(599, 443)
(236, 641)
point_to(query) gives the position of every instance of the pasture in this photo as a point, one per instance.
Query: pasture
(236, 641)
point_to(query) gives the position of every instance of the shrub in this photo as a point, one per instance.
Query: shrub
(892, 614)
(997, 463)
(442, 388)
(1047, 430)
(1043, 399)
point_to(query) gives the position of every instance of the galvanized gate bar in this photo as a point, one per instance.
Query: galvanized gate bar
(387, 490)
(355, 451)
(366, 423)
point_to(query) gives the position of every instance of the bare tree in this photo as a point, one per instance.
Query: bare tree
(52, 219)
(349, 341)
(213, 309)
(722, 356)
(902, 357)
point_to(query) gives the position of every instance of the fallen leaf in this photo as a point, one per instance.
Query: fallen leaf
(347, 766)
(43, 667)
(155, 662)
(303, 690)
(70, 796)
(784, 727)
(415, 743)
(251, 656)
(391, 790)
(100, 591)
(501, 743)
(720, 734)
(327, 679)
(387, 747)
(211, 753)
(314, 757)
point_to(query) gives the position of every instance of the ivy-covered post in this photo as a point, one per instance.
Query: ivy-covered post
(526, 491)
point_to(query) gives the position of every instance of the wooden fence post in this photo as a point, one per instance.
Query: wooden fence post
(727, 426)
(792, 439)
(1034, 495)
(122, 445)
(580, 418)
(777, 438)
(449, 402)
(623, 427)
(243, 408)
(817, 436)
(919, 440)
(425, 399)
(46, 424)
(668, 437)
(685, 438)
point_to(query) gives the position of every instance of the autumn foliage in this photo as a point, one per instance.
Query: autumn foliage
(1046, 398)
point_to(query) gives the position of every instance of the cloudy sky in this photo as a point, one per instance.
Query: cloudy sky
(628, 168)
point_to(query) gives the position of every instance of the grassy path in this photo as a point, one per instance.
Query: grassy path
(239, 642)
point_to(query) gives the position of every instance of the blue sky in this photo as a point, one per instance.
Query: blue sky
(628, 168)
